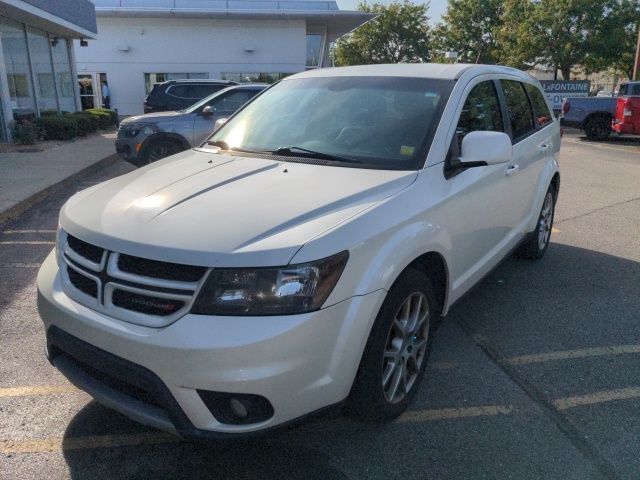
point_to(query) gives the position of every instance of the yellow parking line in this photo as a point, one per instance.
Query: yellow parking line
(37, 390)
(568, 354)
(597, 397)
(18, 232)
(55, 444)
(27, 242)
(449, 413)
(555, 230)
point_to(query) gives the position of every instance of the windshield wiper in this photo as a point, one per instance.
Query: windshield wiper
(294, 151)
(225, 146)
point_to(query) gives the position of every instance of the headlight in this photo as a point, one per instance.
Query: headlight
(132, 131)
(270, 291)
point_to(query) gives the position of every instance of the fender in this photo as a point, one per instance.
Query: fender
(175, 137)
(546, 176)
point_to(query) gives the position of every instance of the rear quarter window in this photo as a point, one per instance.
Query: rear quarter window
(180, 91)
(541, 114)
(520, 114)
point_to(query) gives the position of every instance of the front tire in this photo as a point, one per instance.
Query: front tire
(536, 243)
(397, 350)
(160, 149)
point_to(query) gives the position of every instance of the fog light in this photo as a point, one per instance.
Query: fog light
(237, 408)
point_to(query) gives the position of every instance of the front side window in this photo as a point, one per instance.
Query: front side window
(230, 102)
(541, 114)
(481, 111)
(520, 114)
(378, 122)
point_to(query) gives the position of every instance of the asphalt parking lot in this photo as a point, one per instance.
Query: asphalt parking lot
(535, 374)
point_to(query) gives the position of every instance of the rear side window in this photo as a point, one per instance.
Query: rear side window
(481, 111)
(181, 91)
(520, 114)
(231, 101)
(202, 90)
(541, 114)
(629, 89)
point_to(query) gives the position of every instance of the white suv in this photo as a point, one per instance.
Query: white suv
(303, 255)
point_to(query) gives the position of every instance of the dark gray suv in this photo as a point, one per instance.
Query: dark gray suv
(180, 94)
(146, 138)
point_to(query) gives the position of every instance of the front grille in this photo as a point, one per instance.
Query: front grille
(82, 283)
(156, 269)
(146, 303)
(84, 249)
(134, 289)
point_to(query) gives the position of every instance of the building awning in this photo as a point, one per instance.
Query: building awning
(71, 18)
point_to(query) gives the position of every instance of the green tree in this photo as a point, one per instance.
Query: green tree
(400, 33)
(468, 27)
(563, 34)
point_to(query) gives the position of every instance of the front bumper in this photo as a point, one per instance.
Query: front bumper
(128, 148)
(299, 363)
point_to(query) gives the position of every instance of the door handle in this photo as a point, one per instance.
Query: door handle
(544, 147)
(511, 169)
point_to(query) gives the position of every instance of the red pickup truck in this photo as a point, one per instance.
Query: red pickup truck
(627, 117)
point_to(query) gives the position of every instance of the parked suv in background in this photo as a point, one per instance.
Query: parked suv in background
(179, 94)
(302, 257)
(147, 138)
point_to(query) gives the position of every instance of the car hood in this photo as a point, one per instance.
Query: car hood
(210, 209)
(152, 117)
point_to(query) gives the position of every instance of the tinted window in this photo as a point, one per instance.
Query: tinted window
(230, 102)
(181, 91)
(541, 114)
(201, 91)
(481, 111)
(628, 89)
(519, 109)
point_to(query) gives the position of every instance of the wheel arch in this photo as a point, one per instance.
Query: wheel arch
(593, 115)
(434, 265)
(166, 136)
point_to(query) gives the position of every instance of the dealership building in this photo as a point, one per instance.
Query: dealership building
(142, 42)
(37, 68)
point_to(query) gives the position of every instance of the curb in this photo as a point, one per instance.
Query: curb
(18, 209)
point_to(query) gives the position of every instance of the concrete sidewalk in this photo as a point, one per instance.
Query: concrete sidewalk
(27, 178)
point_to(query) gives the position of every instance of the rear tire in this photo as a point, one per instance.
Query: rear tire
(160, 149)
(536, 243)
(397, 351)
(598, 128)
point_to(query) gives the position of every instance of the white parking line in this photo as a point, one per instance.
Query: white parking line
(20, 265)
(597, 397)
(569, 354)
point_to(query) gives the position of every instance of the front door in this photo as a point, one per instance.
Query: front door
(224, 105)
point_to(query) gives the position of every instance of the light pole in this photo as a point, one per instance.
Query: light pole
(636, 67)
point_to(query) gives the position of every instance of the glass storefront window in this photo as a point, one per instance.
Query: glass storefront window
(314, 49)
(63, 75)
(14, 48)
(43, 70)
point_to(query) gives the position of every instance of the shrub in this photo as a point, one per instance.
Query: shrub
(59, 127)
(87, 123)
(106, 119)
(26, 133)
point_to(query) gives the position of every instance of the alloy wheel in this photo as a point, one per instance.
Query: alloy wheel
(546, 221)
(406, 346)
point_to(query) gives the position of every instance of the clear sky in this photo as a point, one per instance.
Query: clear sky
(436, 9)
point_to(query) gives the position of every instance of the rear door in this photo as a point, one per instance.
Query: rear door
(530, 146)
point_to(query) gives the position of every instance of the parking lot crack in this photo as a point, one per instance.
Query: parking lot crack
(617, 204)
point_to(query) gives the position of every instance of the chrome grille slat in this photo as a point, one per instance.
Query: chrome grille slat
(144, 300)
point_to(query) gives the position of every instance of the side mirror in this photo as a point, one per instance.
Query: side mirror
(485, 148)
(208, 110)
(219, 123)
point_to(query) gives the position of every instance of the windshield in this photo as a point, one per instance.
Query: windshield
(375, 122)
